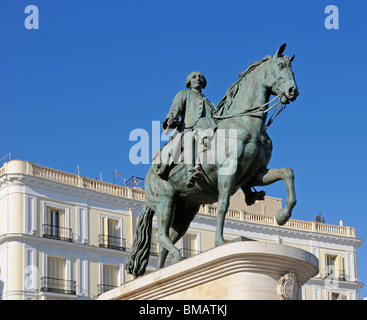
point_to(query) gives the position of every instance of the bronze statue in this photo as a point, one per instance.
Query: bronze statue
(243, 110)
(196, 113)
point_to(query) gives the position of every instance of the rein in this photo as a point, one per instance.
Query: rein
(256, 111)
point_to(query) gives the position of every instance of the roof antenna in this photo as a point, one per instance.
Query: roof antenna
(77, 170)
(115, 173)
(8, 155)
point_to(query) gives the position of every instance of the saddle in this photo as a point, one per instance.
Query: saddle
(170, 158)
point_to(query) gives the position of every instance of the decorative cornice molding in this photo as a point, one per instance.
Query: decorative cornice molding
(27, 239)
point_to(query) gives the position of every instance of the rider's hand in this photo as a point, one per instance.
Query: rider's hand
(172, 123)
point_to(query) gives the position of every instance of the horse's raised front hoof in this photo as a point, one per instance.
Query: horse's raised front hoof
(282, 216)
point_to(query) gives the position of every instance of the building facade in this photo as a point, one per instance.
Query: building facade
(65, 236)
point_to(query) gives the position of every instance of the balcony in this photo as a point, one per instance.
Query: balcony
(57, 233)
(187, 253)
(335, 274)
(102, 288)
(58, 285)
(111, 242)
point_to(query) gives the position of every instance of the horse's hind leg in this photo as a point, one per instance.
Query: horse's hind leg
(225, 186)
(270, 176)
(181, 223)
(165, 214)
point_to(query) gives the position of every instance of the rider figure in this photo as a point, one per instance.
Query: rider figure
(196, 113)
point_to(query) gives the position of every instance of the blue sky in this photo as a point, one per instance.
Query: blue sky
(73, 90)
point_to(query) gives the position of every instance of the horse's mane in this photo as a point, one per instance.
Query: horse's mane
(226, 102)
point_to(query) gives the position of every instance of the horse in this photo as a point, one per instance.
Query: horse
(244, 108)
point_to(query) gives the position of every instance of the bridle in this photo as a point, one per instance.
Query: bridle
(257, 111)
(279, 107)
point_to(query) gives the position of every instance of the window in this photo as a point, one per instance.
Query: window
(54, 227)
(110, 236)
(336, 296)
(55, 281)
(330, 265)
(188, 246)
(55, 219)
(109, 278)
(335, 267)
(56, 268)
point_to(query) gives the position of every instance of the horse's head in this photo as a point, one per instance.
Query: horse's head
(280, 78)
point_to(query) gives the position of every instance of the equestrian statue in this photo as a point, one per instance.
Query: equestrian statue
(214, 151)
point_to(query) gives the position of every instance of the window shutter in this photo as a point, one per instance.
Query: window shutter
(187, 242)
(61, 215)
(340, 264)
(113, 228)
(105, 231)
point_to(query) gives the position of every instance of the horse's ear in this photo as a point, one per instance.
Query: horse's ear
(291, 58)
(281, 50)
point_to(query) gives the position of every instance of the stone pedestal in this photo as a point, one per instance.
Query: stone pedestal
(245, 270)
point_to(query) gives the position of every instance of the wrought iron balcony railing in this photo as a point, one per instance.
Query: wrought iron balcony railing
(102, 288)
(58, 233)
(111, 242)
(50, 284)
(331, 273)
(187, 253)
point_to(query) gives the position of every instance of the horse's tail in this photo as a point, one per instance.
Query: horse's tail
(139, 256)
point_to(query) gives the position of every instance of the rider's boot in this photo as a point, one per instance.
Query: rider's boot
(252, 196)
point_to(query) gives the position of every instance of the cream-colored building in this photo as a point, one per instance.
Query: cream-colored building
(65, 236)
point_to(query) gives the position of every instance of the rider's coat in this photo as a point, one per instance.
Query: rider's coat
(196, 111)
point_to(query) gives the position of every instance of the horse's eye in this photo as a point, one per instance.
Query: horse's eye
(281, 66)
